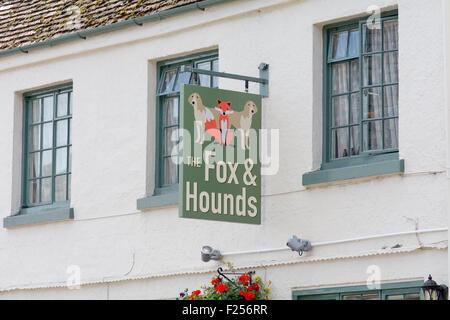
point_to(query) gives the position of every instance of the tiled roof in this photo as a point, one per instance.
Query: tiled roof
(31, 21)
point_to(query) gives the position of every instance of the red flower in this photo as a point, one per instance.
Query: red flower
(244, 279)
(215, 281)
(247, 295)
(222, 288)
(255, 287)
(196, 292)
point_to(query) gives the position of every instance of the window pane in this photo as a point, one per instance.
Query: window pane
(36, 110)
(168, 81)
(71, 103)
(340, 77)
(372, 69)
(391, 67)
(354, 140)
(47, 135)
(70, 131)
(47, 108)
(339, 143)
(354, 112)
(47, 168)
(370, 296)
(372, 38)
(412, 296)
(34, 165)
(373, 138)
(391, 101)
(171, 141)
(46, 194)
(70, 160)
(62, 107)
(61, 133)
(395, 297)
(60, 188)
(68, 186)
(215, 68)
(205, 80)
(170, 171)
(391, 133)
(35, 138)
(391, 35)
(61, 160)
(354, 297)
(355, 75)
(353, 45)
(183, 78)
(340, 111)
(33, 191)
(339, 45)
(171, 111)
(372, 103)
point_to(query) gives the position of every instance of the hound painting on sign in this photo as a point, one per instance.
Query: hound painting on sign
(220, 171)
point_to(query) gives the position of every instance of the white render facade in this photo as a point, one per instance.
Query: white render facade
(126, 253)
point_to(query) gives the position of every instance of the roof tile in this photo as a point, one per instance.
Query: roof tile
(31, 21)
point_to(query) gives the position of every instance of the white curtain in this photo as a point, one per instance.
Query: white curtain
(391, 76)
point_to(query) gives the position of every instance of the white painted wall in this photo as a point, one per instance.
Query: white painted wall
(125, 253)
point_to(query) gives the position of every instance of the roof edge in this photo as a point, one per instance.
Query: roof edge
(138, 21)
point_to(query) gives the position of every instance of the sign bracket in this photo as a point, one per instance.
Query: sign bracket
(263, 79)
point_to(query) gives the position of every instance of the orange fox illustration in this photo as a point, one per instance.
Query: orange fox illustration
(221, 131)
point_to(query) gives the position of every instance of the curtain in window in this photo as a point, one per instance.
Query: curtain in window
(391, 76)
(340, 110)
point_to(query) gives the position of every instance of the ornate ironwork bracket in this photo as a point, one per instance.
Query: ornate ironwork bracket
(224, 274)
(263, 79)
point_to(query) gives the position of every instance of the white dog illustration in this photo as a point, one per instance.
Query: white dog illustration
(201, 113)
(242, 121)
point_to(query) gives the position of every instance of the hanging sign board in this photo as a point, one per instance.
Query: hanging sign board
(220, 173)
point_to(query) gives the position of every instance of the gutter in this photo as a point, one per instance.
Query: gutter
(138, 21)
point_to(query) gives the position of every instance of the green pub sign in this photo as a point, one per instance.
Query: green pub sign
(220, 170)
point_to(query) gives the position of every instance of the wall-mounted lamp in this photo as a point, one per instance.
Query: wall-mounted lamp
(433, 291)
(209, 253)
(298, 245)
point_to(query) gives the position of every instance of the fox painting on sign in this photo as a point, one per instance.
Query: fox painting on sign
(220, 171)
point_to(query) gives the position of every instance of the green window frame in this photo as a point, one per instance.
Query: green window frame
(360, 54)
(170, 78)
(46, 157)
(360, 101)
(47, 147)
(409, 290)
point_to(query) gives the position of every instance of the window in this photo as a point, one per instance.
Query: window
(360, 101)
(389, 291)
(47, 147)
(361, 107)
(171, 77)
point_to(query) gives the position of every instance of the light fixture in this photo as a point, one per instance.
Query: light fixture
(209, 253)
(433, 291)
(298, 245)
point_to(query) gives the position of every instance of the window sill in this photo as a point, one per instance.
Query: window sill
(39, 215)
(353, 172)
(158, 200)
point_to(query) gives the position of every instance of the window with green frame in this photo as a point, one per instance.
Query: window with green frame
(170, 79)
(361, 90)
(410, 290)
(47, 147)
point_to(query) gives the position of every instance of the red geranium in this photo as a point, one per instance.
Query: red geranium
(196, 292)
(244, 279)
(215, 281)
(247, 295)
(222, 288)
(255, 286)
